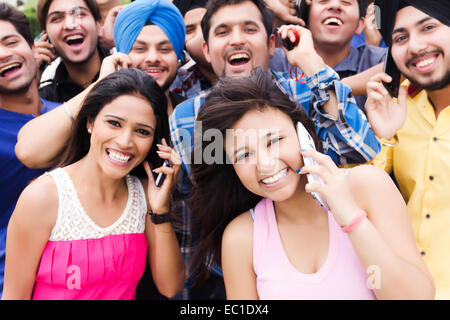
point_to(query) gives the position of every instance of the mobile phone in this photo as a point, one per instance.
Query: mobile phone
(391, 69)
(287, 43)
(161, 177)
(302, 10)
(307, 143)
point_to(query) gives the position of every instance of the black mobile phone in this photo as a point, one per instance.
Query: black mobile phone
(391, 69)
(302, 10)
(160, 179)
(287, 43)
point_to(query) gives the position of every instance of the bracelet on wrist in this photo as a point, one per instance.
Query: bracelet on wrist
(69, 114)
(355, 222)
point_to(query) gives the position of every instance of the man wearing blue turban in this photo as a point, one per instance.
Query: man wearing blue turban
(136, 15)
(152, 34)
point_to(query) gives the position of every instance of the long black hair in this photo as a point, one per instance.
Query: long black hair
(123, 82)
(217, 195)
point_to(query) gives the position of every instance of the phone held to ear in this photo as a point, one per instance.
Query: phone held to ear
(162, 176)
(307, 143)
(391, 69)
(302, 10)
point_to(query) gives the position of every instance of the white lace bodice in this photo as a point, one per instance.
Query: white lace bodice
(73, 223)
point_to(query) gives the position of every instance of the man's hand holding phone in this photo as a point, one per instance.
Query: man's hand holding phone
(285, 10)
(385, 115)
(44, 51)
(303, 54)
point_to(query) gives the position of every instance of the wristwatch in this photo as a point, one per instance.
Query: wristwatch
(323, 88)
(159, 218)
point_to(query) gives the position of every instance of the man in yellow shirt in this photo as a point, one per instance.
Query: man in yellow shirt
(416, 127)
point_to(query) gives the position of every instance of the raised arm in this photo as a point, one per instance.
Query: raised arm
(341, 126)
(359, 81)
(41, 140)
(165, 258)
(384, 240)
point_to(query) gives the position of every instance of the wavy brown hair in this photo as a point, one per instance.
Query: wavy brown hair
(217, 195)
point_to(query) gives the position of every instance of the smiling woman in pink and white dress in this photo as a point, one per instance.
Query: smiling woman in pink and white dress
(82, 231)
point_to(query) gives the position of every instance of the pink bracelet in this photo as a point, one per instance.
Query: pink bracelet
(355, 223)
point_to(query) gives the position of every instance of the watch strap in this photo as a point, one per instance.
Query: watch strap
(159, 218)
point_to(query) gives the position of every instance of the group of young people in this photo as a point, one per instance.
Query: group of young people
(169, 164)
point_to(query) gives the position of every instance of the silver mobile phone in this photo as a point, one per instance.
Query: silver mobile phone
(307, 143)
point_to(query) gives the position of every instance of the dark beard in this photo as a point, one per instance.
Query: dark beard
(166, 85)
(433, 86)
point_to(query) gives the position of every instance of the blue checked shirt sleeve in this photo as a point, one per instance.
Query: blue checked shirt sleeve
(182, 122)
(347, 139)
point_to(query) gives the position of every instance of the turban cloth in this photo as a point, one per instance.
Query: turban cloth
(188, 5)
(438, 9)
(162, 13)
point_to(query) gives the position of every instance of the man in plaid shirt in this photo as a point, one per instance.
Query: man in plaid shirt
(238, 36)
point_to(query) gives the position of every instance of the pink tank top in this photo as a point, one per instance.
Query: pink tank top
(83, 261)
(341, 277)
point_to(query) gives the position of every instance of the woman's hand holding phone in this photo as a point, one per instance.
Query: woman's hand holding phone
(334, 188)
(159, 197)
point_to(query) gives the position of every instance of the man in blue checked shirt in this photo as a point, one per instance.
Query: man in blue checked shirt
(238, 38)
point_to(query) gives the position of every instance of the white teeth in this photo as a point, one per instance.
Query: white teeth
(239, 56)
(333, 20)
(425, 63)
(76, 37)
(276, 177)
(118, 157)
(15, 65)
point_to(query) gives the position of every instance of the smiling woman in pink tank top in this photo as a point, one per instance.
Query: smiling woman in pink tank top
(83, 230)
(259, 213)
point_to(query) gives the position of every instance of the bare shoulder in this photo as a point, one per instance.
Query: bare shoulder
(365, 177)
(239, 231)
(38, 203)
(375, 191)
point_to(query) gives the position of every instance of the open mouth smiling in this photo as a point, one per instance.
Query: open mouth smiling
(275, 178)
(74, 40)
(119, 157)
(333, 21)
(9, 69)
(239, 58)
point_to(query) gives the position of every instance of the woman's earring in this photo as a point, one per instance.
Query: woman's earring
(89, 130)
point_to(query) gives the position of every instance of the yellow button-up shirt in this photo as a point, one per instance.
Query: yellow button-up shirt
(421, 165)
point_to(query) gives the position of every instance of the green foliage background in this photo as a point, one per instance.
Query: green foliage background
(30, 12)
